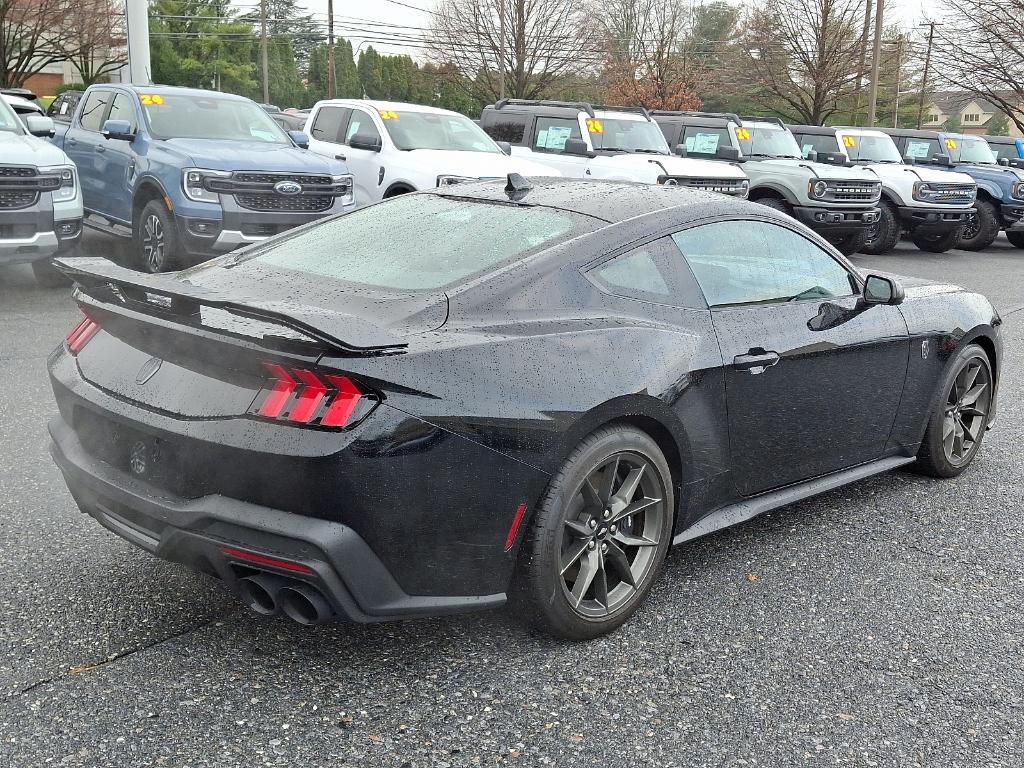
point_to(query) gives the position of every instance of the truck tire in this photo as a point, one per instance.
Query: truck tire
(982, 227)
(48, 276)
(774, 202)
(1016, 239)
(849, 244)
(936, 242)
(156, 239)
(883, 236)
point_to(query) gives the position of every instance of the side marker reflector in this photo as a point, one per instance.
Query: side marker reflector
(252, 557)
(514, 528)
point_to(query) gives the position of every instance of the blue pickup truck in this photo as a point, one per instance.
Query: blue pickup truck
(188, 174)
(1000, 203)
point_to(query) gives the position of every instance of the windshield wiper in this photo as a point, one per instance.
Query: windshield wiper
(650, 151)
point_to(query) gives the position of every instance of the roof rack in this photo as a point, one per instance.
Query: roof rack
(642, 110)
(685, 113)
(777, 120)
(582, 105)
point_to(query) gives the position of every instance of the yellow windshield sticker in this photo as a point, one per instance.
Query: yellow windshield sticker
(849, 142)
(594, 126)
(388, 114)
(950, 144)
(743, 134)
(151, 99)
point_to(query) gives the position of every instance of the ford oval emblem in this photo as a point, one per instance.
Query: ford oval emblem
(148, 370)
(288, 188)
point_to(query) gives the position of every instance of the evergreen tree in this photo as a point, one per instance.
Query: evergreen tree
(371, 73)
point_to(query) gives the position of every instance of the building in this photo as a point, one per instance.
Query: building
(974, 113)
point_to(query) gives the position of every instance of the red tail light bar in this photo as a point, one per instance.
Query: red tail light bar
(81, 334)
(302, 396)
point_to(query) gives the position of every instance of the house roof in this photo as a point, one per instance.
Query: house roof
(950, 102)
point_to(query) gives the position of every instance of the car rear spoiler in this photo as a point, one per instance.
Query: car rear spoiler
(106, 288)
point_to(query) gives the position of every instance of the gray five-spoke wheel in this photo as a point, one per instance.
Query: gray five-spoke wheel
(153, 244)
(611, 534)
(966, 411)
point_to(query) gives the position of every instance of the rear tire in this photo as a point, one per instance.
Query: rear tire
(959, 417)
(850, 244)
(156, 239)
(982, 227)
(586, 565)
(48, 276)
(776, 203)
(1016, 239)
(936, 242)
(885, 233)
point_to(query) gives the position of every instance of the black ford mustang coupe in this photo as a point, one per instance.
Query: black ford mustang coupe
(491, 392)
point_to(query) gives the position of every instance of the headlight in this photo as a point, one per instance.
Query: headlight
(1017, 190)
(445, 180)
(345, 180)
(745, 186)
(193, 181)
(818, 188)
(68, 182)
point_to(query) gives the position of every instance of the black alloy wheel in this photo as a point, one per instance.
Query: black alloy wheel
(156, 239)
(958, 421)
(598, 537)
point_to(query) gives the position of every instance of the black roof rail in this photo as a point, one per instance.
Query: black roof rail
(685, 113)
(582, 105)
(777, 120)
(642, 110)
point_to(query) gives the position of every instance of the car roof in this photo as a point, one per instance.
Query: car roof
(177, 90)
(396, 106)
(610, 201)
(1007, 140)
(20, 101)
(912, 133)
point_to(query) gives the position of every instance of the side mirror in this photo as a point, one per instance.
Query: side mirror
(577, 147)
(1017, 163)
(726, 152)
(1004, 161)
(363, 141)
(505, 147)
(812, 156)
(300, 139)
(883, 290)
(39, 125)
(910, 160)
(832, 158)
(943, 160)
(680, 150)
(118, 129)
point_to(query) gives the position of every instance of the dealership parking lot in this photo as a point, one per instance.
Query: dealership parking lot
(879, 624)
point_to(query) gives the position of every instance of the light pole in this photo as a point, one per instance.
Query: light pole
(332, 82)
(263, 51)
(501, 48)
(927, 63)
(137, 24)
(876, 61)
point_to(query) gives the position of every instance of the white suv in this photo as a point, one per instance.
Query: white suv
(391, 148)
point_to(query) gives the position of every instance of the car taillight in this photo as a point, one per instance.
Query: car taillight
(302, 396)
(81, 334)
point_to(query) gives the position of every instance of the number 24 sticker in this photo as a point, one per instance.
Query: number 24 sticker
(151, 100)
(950, 143)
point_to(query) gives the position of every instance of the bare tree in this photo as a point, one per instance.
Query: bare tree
(30, 37)
(649, 56)
(801, 55)
(545, 42)
(94, 38)
(983, 52)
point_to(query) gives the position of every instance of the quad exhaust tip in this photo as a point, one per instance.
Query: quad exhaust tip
(269, 594)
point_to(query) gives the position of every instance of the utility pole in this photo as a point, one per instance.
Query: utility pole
(137, 25)
(263, 51)
(501, 48)
(332, 80)
(899, 75)
(927, 63)
(876, 61)
(863, 61)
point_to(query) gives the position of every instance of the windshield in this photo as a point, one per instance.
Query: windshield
(608, 133)
(177, 116)
(420, 242)
(9, 122)
(969, 149)
(429, 130)
(767, 140)
(870, 148)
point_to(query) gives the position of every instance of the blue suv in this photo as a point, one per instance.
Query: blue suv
(189, 174)
(1000, 203)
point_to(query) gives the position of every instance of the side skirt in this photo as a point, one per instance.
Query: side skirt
(750, 508)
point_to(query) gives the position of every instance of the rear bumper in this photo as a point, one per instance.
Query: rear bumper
(836, 220)
(932, 219)
(193, 532)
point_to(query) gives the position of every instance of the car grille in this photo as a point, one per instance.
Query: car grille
(841, 192)
(20, 186)
(255, 191)
(951, 194)
(723, 186)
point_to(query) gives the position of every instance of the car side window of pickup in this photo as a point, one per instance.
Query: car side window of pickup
(329, 124)
(553, 132)
(754, 262)
(361, 124)
(94, 110)
(123, 108)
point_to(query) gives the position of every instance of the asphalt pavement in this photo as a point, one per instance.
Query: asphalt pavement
(877, 625)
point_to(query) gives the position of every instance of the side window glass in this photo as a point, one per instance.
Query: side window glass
(752, 262)
(921, 148)
(123, 109)
(95, 106)
(652, 272)
(328, 123)
(362, 124)
(553, 132)
(818, 144)
(704, 141)
(505, 126)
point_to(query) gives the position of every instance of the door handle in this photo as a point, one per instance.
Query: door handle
(755, 361)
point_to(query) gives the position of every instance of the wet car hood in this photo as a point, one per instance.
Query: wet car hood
(478, 164)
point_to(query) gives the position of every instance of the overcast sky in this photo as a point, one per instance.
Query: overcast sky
(348, 14)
